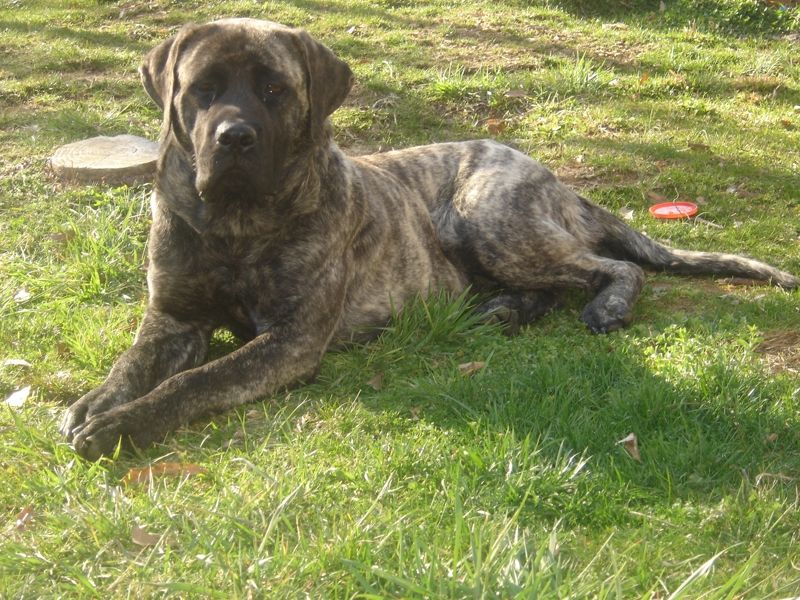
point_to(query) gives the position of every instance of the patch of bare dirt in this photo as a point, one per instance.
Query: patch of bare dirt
(781, 351)
(583, 178)
(731, 289)
(484, 42)
(760, 84)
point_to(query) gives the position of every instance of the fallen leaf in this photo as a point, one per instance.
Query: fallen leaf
(627, 213)
(708, 223)
(787, 123)
(16, 362)
(772, 477)
(18, 398)
(168, 469)
(21, 296)
(621, 26)
(744, 282)
(643, 78)
(61, 237)
(516, 94)
(771, 438)
(631, 446)
(656, 198)
(470, 368)
(141, 537)
(300, 424)
(24, 518)
(255, 413)
(376, 383)
(415, 411)
(495, 126)
(700, 200)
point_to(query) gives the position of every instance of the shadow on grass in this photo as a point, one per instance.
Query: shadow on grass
(706, 426)
(755, 19)
(700, 437)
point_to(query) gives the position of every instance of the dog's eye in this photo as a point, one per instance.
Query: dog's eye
(271, 91)
(206, 90)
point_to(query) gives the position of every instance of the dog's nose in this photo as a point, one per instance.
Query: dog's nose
(236, 136)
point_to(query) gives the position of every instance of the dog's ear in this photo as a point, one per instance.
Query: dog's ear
(155, 73)
(329, 80)
(158, 72)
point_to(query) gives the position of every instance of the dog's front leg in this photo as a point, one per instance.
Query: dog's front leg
(285, 354)
(164, 346)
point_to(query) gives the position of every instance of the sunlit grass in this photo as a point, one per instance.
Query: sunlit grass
(394, 474)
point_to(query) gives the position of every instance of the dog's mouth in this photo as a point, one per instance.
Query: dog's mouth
(228, 179)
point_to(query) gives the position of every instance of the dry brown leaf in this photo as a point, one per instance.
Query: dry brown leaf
(787, 123)
(631, 445)
(255, 413)
(699, 147)
(743, 282)
(643, 78)
(141, 537)
(627, 213)
(376, 383)
(470, 368)
(495, 126)
(656, 198)
(61, 237)
(773, 477)
(771, 438)
(168, 469)
(24, 518)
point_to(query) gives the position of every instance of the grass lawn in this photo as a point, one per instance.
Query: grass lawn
(397, 474)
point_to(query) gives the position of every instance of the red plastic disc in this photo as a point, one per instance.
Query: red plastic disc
(673, 210)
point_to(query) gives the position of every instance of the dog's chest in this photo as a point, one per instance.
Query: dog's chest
(243, 295)
(222, 288)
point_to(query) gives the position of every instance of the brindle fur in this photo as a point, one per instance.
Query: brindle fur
(262, 225)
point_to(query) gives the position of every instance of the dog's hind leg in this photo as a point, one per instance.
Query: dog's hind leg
(618, 283)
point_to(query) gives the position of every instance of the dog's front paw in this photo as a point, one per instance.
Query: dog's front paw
(97, 401)
(101, 434)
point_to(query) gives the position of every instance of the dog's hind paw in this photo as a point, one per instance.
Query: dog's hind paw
(605, 318)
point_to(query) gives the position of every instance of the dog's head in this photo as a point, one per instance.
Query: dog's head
(240, 96)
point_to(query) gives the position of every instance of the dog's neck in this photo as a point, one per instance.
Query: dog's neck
(297, 197)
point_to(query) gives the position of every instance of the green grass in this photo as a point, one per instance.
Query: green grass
(507, 483)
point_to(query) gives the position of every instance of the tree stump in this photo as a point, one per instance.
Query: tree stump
(122, 159)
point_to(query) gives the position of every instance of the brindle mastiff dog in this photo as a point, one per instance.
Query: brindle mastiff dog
(262, 225)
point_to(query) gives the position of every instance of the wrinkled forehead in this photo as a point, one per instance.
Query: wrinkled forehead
(235, 44)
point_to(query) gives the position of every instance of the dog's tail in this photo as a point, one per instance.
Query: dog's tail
(622, 242)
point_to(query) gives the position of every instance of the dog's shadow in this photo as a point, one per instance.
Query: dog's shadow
(518, 413)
